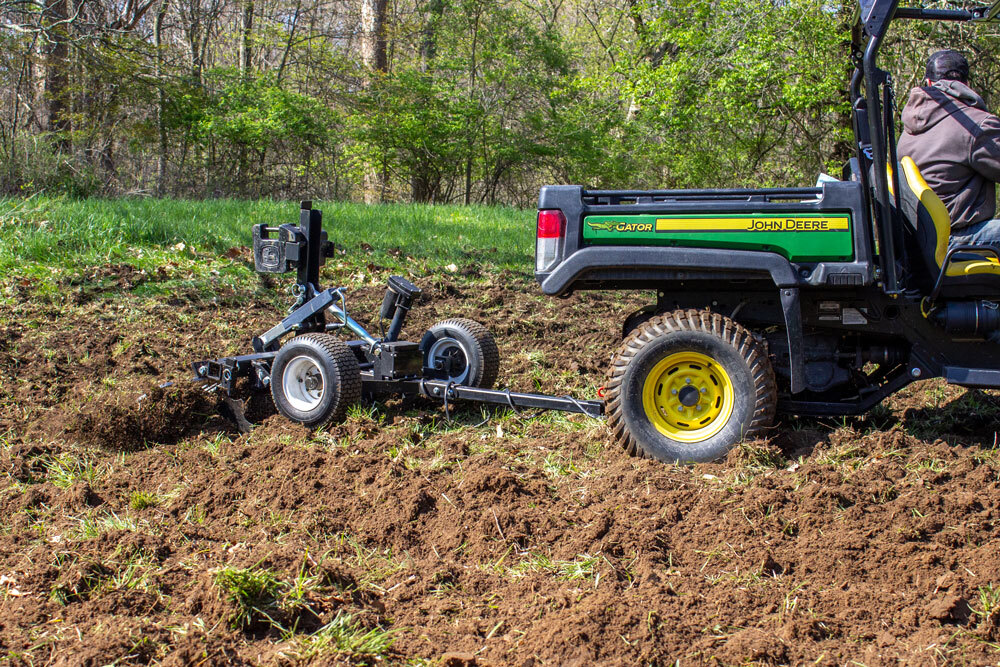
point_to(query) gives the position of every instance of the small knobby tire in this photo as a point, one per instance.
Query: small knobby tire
(732, 366)
(302, 360)
(457, 339)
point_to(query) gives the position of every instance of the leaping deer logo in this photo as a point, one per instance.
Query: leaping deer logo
(608, 226)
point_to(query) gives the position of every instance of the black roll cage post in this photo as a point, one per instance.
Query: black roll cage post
(874, 125)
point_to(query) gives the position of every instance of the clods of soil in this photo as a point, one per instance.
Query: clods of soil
(138, 526)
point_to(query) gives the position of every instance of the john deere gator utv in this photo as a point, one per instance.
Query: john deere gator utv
(809, 301)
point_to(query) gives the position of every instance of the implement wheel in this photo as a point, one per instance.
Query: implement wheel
(314, 378)
(686, 386)
(461, 351)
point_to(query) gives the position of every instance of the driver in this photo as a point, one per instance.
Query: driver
(955, 142)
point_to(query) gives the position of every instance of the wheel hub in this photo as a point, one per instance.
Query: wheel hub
(449, 357)
(304, 383)
(688, 397)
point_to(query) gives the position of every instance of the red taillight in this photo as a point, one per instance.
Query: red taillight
(551, 224)
(549, 241)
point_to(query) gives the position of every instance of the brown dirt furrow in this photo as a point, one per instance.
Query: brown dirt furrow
(125, 500)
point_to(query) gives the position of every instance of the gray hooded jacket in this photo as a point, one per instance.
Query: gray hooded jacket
(955, 142)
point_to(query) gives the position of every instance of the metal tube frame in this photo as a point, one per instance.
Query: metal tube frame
(874, 107)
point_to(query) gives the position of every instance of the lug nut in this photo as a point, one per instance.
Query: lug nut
(703, 390)
(673, 391)
(688, 380)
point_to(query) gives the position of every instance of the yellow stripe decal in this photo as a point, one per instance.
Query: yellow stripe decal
(754, 224)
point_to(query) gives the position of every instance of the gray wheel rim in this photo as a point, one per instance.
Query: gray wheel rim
(304, 383)
(443, 351)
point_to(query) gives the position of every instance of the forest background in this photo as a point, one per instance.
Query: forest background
(461, 101)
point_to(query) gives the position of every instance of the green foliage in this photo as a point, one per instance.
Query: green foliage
(482, 108)
(342, 635)
(743, 93)
(475, 102)
(140, 500)
(987, 603)
(416, 123)
(259, 114)
(261, 599)
(40, 163)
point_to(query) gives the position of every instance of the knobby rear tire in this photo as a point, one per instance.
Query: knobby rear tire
(733, 348)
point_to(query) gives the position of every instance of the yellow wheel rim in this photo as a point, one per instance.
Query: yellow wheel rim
(688, 397)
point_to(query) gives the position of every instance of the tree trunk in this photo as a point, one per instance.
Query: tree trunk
(194, 50)
(246, 29)
(375, 59)
(420, 187)
(161, 100)
(374, 54)
(428, 45)
(472, 94)
(57, 70)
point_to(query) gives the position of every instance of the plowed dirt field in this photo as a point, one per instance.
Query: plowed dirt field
(137, 526)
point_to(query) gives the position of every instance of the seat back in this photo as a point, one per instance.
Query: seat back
(928, 224)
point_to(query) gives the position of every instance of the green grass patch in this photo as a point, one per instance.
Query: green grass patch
(986, 604)
(93, 525)
(584, 566)
(376, 565)
(41, 232)
(66, 469)
(260, 598)
(119, 572)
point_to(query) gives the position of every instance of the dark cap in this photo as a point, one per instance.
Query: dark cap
(947, 64)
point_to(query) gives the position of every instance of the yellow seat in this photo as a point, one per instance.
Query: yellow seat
(928, 217)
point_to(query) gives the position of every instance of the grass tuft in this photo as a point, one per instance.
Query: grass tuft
(584, 566)
(140, 500)
(987, 606)
(255, 594)
(66, 469)
(376, 565)
(850, 455)
(97, 578)
(342, 635)
(761, 456)
(91, 526)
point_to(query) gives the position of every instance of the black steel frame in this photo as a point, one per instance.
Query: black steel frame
(305, 250)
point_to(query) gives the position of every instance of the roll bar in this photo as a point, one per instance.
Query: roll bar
(874, 125)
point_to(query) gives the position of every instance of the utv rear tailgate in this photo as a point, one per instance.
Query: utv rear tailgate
(790, 236)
